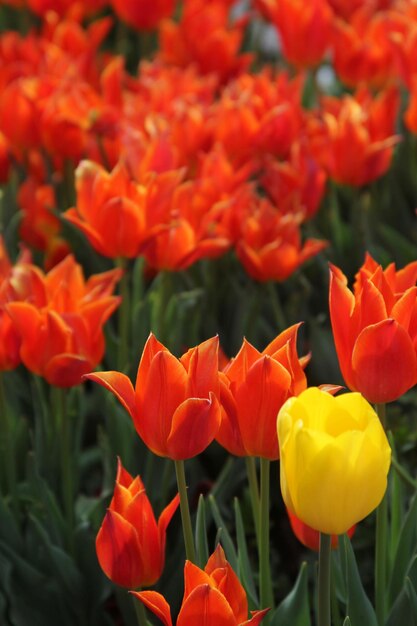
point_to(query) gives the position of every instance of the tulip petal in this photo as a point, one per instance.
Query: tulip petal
(282, 339)
(206, 606)
(258, 401)
(66, 370)
(342, 305)
(118, 551)
(164, 391)
(257, 617)
(384, 362)
(228, 583)
(165, 518)
(194, 577)
(228, 434)
(237, 368)
(403, 309)
(202, 365)
(152, 347)
(120, 385)
(156, 603)
(194, 425)
(95, 239)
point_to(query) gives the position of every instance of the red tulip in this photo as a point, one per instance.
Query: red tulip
(211, 596)
(130, 544)
(174, 404)
(375, 329)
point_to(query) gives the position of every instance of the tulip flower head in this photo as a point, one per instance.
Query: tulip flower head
(375, 329)
(61, 325)
(174, 405)
(254, 386)
(130, 544)
(335, 459)
(211, 596)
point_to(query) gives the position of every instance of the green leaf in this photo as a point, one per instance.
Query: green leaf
(347, 621)
(412, 597)
(396, 504)
(201, 533)
(9, 531)
(294, 610)
(401, 611)
(244, 567)
(226, 539)
(359, 608)
(406, 548)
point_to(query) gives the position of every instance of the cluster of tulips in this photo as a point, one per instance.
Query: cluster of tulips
(167, 169)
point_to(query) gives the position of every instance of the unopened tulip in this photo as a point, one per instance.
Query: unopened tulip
(130, 544)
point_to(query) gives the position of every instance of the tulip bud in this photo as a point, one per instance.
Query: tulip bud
(130, 544)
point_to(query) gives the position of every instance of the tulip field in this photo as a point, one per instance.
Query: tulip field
(208, 312)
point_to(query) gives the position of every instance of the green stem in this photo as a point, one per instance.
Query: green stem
(122, 356)
(140, 612)
(381, 545)
(265, 583)
(7, 452)
(402, 472)
(253, 492)
(324, 581)
(335, 611)
(63, 435)
(276, 306)
(185, 512)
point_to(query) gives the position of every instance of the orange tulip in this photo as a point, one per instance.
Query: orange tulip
(375, 329)
(211, 596)
(269, 242)
(62, 330)
(309, 537)
(110, 209)
(174, 405)
(254, 386)
(20, 282)
(363, 48)
(354, 139)
(130, 544)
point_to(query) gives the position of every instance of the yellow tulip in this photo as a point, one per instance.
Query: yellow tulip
(335, 459)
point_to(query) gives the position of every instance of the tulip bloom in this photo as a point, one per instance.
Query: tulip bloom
(254, 387)
(355, 137)
(335, 459)
(174, 405)
(61, 327)
(375, 329)
(130, 544)
(110, 209)
(270, 245)
(211, 596)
